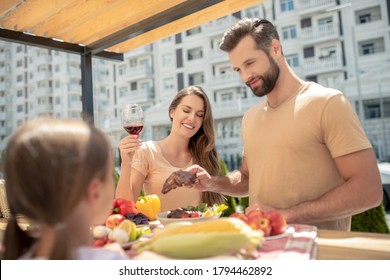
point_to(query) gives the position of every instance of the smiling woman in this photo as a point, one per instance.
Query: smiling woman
(191, 140)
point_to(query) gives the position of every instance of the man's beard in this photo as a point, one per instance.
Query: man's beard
(269, 79)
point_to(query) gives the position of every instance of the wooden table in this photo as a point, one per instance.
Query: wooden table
(334, 245)
(341, 245)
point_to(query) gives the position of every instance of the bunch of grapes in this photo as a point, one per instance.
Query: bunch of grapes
(138, 219)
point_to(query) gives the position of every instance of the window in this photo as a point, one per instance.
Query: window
(292, 60)
(371, 46)
(368, 15)
(196, 78)
(193, 31)
(312, 78)
(325, 21)
(226, 96)
(133, 86)
(144, 62)
(19, 78)
(289, 32)
(19, 108)
(19, 63)
(364, 18)
(305, 23)
(122, 91)
(133, 62)
(179, 58)
(178, 38)
(167, 39)
(167, 59)
(19, 49)
(168, 83)
(372, 108)
(327, 52)
(196, 53)
(224, 70)
(286, 5)
(74, 98)
(308, 52)
(122, 70)
(373, 111)
(367, 49)
(57, 100)
(252, 12)
(19, 93)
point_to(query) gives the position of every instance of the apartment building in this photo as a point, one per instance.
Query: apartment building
(341, 44)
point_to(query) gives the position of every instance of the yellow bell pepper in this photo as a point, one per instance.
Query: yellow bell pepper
(149, 205)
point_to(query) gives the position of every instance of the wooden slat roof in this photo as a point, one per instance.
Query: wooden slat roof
(106, 27)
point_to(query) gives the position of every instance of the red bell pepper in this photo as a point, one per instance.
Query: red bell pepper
(123, 206)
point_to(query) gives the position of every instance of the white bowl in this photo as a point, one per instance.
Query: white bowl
(162, 217)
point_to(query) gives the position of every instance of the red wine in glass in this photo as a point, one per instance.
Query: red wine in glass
(134, 129)
(132, 117)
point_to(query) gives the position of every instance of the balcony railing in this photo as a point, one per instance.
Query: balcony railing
(314, 65)
(227, 80)
(309, 4)
(322, 32)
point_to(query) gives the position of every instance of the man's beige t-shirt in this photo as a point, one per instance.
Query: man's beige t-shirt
(289, 150)
(156, 170)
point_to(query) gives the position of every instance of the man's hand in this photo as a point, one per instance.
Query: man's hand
(203, 178)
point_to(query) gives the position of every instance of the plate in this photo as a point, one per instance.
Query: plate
(162, 217)
(288, 230)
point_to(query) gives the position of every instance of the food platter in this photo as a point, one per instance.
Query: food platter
(287, 231)
(164, 220)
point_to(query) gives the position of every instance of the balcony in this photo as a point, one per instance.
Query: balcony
(75, 105)
(142, 71)
(314, 65)
(324, 32)
(137, 96)
(42, 92)
(232, 108)
(219, 26)
(42, 76)
(43, 108)
(42, 60)
(309, 6)
(227, 80)
(217, 55)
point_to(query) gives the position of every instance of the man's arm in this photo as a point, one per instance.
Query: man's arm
(362, 190)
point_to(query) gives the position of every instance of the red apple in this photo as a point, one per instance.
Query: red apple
(265, 226)
(114, 220)
(278, 222)
(253, 218)
(240, 216)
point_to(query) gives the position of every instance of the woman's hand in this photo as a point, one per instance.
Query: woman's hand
(203, 178)
(128, 146)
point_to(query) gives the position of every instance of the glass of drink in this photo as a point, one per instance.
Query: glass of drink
(133, 119)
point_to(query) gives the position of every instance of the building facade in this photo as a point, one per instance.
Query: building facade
(341, 44)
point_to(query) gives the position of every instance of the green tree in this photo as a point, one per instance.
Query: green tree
(372, 220)
(230, 200)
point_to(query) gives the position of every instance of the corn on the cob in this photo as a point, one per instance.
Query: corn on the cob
(203, 239)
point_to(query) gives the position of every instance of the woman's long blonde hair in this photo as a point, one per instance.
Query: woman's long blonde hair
(202, 144)
(49, 164)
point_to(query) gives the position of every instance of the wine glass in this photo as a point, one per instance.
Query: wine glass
(133, 118)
